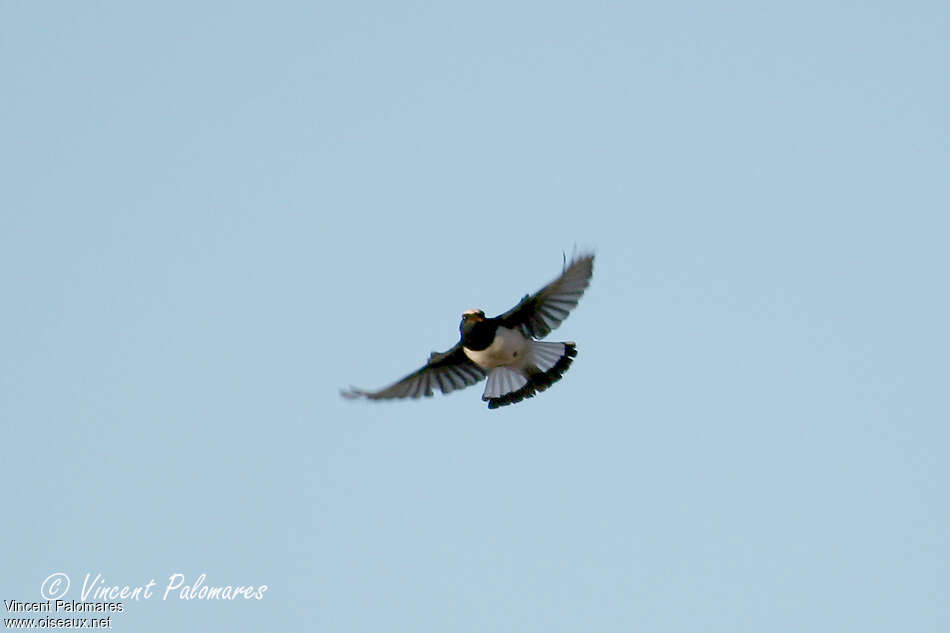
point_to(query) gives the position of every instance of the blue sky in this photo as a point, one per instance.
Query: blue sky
(216, 216)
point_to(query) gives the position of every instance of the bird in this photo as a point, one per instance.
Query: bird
(506, 349)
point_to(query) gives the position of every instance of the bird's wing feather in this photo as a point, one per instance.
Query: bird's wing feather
(446, 372)
(536, 315)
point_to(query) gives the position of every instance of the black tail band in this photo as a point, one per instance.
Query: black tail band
(538, 380)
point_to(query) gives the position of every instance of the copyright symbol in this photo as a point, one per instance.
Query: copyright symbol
(55, 586)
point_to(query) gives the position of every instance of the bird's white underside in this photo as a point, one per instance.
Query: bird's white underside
(507, 350)
(508, 356)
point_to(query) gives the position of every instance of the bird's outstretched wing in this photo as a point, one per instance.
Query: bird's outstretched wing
(536, 315)
(446, 372)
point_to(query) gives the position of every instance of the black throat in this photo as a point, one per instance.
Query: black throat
(478, 335)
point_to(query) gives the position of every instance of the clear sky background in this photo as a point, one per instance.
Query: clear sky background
(216, 215)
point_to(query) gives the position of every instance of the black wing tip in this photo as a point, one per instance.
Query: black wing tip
(583, 258)
(577, 256)
(356, 394)
(352, 393)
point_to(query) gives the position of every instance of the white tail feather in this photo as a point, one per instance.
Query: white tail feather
(503, 380)
(542, 357)
(546, 355)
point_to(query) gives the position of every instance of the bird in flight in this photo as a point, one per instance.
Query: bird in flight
(505, 348)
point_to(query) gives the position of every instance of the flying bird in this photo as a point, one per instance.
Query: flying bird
(505, 348)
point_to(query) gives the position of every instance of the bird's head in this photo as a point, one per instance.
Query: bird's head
(473, 316)
(470, 318)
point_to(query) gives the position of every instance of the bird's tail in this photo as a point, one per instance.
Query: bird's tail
(546, 364)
